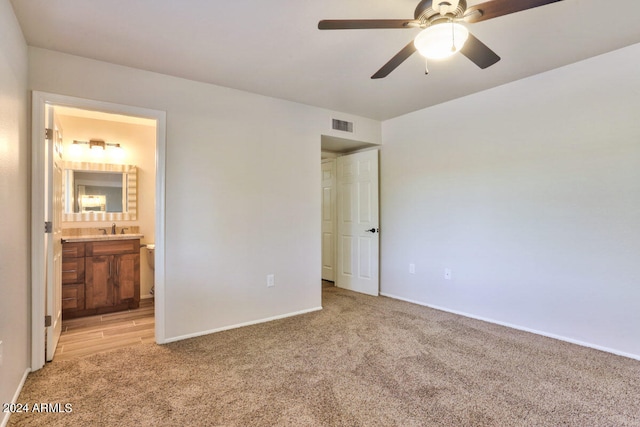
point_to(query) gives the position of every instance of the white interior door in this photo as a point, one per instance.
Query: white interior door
(53, 239)
(358, 222)
(329, 211)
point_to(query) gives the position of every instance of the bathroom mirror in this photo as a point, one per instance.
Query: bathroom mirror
(99, 192)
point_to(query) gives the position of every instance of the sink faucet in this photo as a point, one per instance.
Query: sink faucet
(113, 228)
(122, 230)
(104, 231)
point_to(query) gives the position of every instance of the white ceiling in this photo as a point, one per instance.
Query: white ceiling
(99, 115)
(274, 47)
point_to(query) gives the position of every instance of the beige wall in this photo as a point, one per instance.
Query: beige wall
(530, 194)
(15, 202)
(242, 190)
(138, 142)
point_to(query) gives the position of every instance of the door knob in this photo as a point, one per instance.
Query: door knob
(373, 230)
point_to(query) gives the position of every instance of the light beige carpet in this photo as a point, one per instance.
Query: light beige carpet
(362, 361)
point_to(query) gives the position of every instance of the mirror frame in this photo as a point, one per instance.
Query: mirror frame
(132, 193)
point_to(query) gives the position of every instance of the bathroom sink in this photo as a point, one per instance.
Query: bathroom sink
(102, 237)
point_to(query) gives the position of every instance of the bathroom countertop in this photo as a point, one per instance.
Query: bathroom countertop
(102, 237)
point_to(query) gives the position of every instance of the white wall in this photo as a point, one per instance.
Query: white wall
(138, 142)
(530, 194)
(15, 203)
(242, 190)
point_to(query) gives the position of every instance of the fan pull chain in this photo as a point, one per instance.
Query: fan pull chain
(426, 66)
(453, 37)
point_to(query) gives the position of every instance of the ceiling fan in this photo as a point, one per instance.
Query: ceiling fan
(442, 34)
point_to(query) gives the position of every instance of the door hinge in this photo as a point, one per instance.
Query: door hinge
(47, 321)
(48, 227)
(48, 133)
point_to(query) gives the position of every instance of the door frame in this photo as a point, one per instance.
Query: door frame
(38, 266)
(334, 212)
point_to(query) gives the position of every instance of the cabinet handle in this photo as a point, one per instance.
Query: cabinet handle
(69, 271)
(115, 278)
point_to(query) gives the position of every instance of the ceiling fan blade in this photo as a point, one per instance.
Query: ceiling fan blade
(496, 8)
(363, 24)
(394, 62)
(479, 53)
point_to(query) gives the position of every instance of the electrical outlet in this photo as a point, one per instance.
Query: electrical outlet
(412, 268)
(271, 280)
(447, 274)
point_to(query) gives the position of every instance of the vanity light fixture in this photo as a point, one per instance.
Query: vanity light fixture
(98, 146)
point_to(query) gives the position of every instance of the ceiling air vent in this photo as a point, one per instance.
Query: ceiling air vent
(342, 125)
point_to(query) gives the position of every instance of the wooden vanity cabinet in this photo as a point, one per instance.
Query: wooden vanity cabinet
(72, 278)
(111, 277)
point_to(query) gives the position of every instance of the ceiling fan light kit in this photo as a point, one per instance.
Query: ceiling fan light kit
(441, 40)
(442, 34)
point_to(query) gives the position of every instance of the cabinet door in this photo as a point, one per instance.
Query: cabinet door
(127, 278)
(99, 281)
(72, 298)
(73, 249)
(72, 270)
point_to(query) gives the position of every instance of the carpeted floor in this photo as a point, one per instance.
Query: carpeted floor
(361, 361)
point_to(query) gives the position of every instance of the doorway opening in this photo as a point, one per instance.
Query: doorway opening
(350, 214)
(137, 209)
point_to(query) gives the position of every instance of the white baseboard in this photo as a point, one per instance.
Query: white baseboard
(239, 325)
(16, 395)
(520, 328)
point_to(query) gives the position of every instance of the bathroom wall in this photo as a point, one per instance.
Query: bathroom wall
(138, 139)
(15, 195)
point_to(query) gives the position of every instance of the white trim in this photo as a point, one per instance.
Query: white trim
(16, 395)
(37, 235)
(240, 325)
(159, 261)
(520, 328)
(39, 101)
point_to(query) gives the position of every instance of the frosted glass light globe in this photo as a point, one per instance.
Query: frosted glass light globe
(441, 40)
